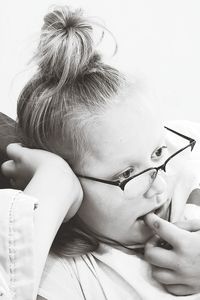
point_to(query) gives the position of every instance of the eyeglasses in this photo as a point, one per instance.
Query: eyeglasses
(141, 181)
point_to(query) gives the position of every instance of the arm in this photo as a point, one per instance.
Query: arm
(16, 244)
(49, 179)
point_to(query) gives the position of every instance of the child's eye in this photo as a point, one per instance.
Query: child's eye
(159, 153)
(126, 174)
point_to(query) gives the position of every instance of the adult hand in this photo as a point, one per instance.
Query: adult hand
(178, 266)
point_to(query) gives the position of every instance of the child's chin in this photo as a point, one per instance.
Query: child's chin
(141, 232)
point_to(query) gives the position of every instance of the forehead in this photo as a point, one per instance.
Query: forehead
(125, 132)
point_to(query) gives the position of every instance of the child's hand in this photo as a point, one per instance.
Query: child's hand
(178, 269)
(44, 175)
(49, 179)
(20, 167)
(25, 162)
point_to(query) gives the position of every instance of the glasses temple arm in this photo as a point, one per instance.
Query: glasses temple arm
(180, 134)
(117, 182)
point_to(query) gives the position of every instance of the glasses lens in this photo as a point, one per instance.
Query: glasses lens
(140, 184)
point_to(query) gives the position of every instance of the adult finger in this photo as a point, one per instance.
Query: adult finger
(167, 231)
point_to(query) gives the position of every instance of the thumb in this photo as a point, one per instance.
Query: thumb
(165, 230)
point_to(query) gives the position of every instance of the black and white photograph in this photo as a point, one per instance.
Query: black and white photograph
(100, 150)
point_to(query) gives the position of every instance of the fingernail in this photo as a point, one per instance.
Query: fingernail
(156, 224)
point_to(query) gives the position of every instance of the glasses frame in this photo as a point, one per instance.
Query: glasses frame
(162, 167)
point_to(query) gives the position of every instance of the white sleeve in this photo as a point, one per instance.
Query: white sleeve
(16, 245)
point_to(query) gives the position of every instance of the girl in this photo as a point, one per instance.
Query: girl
(103, 125)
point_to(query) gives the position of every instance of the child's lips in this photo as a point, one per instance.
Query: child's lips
(161, 211)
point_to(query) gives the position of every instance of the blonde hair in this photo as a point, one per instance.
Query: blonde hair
(71, 85)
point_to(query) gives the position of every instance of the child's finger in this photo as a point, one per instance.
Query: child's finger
(179, 289)
(159, 257)
(165, 276)
(13, 183)
(8, 168)
(167, 231)
(14, 151)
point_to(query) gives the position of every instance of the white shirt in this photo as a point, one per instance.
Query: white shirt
(105, 274)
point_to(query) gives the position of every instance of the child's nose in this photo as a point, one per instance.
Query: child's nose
(158, 186)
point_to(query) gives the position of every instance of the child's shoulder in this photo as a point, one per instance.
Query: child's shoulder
(58, 279)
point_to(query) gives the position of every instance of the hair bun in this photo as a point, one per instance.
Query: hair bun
(66, 44)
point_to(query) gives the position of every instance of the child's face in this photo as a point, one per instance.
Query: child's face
(128, 138)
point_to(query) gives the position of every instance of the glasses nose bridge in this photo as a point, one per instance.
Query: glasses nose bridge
(162, 167)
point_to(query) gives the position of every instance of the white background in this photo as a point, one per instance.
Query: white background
(157, 39)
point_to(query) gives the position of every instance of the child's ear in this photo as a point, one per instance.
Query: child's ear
(8, 134)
